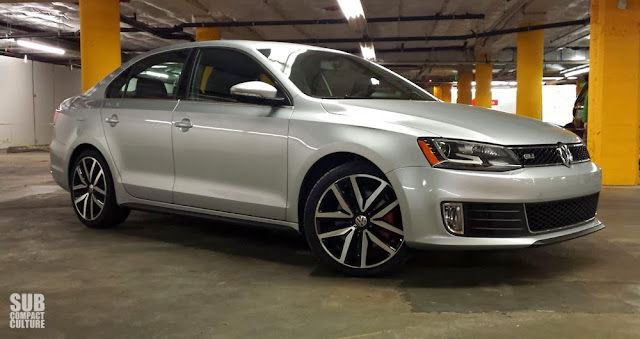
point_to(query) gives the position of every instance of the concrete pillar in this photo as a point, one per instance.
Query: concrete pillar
(484, 75)
(530, 55)
(465, 78)
(614, 90)
(99, 39)
(207, 33)
(446, 92)
(437, 92)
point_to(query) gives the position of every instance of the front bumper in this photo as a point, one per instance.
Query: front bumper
(421, 190)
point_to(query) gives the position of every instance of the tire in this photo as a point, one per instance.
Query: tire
(370, 224)
(92, 194)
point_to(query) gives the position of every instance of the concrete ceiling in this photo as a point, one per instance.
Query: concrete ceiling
(55, 17)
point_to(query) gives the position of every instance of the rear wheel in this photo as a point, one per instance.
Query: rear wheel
(92, 193)
(352, 221)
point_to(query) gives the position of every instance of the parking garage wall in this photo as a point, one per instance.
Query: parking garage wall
(30, 92)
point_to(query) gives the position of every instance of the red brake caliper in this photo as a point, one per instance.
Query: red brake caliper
(391, 218)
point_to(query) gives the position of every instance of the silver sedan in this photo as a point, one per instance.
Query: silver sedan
(363, 162)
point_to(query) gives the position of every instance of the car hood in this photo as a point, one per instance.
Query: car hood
(454, 121)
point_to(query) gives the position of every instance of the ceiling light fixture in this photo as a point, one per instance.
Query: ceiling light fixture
(368, 52)
(352, 9)
(577, 72)
(40, 47)
(573, 69)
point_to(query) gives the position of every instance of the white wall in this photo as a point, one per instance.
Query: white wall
(30, 92)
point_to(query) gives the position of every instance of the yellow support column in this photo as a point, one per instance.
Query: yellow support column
(437, 92)
(99, 39)
(464, 87)
(614, 90)
(530, 53)
(484, 75)
(446, 92)
(207, 33)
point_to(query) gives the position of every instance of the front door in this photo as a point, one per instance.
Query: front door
(229, 156)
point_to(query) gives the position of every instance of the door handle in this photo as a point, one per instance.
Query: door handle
(113, 120)
(184, 125)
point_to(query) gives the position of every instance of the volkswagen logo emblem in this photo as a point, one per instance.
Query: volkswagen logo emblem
(565, 154)
(361, 221)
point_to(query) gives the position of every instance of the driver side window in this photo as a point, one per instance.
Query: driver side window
(217, 70)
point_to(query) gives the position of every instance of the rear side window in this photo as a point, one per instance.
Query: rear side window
(155, 77)
(217, 70)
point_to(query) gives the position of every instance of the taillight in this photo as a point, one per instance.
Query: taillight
(55, 116)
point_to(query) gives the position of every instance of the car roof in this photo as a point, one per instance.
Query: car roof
(243, 44)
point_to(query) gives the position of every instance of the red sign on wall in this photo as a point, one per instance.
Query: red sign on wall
(493, 102)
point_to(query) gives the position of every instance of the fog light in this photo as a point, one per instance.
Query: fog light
(453, 217)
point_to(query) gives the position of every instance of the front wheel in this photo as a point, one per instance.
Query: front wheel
(92, 193)
(352, 221)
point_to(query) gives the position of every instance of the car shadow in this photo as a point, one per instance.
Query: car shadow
(427, 269)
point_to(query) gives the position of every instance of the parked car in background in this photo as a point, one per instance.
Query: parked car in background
(363, 162)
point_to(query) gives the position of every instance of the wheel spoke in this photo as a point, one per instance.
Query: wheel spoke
(95, 181)
(374, 195)
(386, 210)
(91, 207)
(79, 171)
(380, 243)
(363, 251)
(84, 208)
(98, 202)
(333, 215)
(336, 233)
(99, 190)
(387, 226)
(345, 247)
(356, 190)
(86, 173)
(343, 204)
(80, 198)
(93, 165)
(79, 186)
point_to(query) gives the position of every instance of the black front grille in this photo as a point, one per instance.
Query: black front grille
(579, 153)
(509, 220)
(554, 214)
(548, 155)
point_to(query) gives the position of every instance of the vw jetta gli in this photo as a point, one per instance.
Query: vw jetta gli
(364, 163)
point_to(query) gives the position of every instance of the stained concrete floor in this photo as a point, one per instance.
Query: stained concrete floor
(166, 277)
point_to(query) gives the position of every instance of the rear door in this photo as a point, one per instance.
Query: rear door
(234, 157)
(137, 122)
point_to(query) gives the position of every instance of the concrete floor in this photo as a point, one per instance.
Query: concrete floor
(166, 277)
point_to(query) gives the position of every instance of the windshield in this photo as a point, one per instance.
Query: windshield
(329, 75)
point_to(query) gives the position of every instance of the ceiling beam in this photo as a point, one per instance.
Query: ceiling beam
(333, 21)
(442, 37)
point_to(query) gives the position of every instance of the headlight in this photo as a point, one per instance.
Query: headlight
(467, 155)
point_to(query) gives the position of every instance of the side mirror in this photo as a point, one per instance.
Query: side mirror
(256, 92)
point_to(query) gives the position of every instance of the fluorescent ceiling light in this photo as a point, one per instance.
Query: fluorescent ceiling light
(40, 47)
(351, 9)
(573, 68)
(552, 78)
(572, 78)
(368, 52)
(577, 72)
